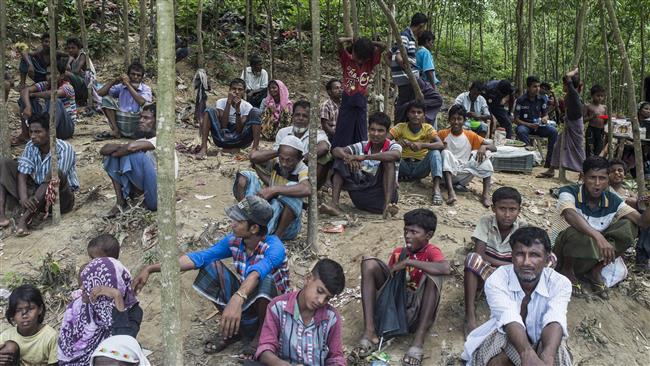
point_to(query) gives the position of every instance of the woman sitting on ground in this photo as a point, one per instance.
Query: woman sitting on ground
(119, 350)
(276, 109)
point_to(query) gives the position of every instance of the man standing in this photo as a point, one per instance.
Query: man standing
(329, 109)
(257, 81)
(528, 305)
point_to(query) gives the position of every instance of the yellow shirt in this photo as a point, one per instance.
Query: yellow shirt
(426, 134)
(37, 350)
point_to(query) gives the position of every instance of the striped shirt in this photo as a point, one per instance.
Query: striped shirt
(487, 231)
(278, 178)
(286, 335)
(69, 101)
(372, 166)
(33, 164)
(410, 43)
(548, 304)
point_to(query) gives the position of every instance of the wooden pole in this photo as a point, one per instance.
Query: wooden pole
(84, 42)
(54, 167)
(519, 71)
(631, 97)
(314, 124)
(269, 34)
(402, 49)
(143, 31)
(247, 34)
(531, 37)
(608, 65)
(347, 26)
(125, 25)
(354, 14)
(5, 150)
(199, 35)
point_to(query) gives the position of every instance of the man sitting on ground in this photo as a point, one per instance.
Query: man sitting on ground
(132, 167)
(329, 109)
(421, 149)
(300, 327)
(464, 157)
(425, 265)
(491, 246)
(367, 170)
(261, 274)
(122, 101)
(286, 185)
(595, 226)
(300, 129)
(531, 117)
(476, 107)
(36, 99)
(234, 124)
(528, 305)
(257, 81)
(28, 179)
(35, 64)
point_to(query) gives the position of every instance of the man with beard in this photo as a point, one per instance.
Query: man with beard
(528, 303)
(286, 181)
(122, 101)
(132, 166)
(329, 109)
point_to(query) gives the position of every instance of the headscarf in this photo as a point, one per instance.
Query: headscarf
(285, 103)
(121, 348)
(86, 325)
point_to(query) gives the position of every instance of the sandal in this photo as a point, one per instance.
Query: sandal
(576, 290)
(437, 199)
(413, 357)
(247, 353)
(102, 136)
(218, 343)
(598, 288)
(460, 188)
(365, 347)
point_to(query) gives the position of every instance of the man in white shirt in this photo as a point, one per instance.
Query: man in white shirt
(528, 306)
(476, 107)
(257, 80)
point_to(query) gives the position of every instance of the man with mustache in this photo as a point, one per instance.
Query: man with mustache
(528, 303)
(281, 177)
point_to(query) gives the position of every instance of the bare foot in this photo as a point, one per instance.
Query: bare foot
(21, 227)
(4, 222)
(486, 201)
(391, 210)
(202, 154)
(329, 210)
(469, 326)
(451, 200)
(550, 173)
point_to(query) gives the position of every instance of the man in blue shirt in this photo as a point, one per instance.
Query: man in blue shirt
(499, 95)
(261, 273)
(531, 117)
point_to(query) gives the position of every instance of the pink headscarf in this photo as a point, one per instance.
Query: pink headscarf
(285, 103)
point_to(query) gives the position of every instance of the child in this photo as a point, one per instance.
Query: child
(594, 113)
(301, 327)
(105, 245)
(351, 126)
(424, 265)
(464, 157)
(491, 246)
(36, 341)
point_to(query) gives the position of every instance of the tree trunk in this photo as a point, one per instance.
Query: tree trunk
(556, 70)
(84, 42)
(143, 31)
(643, 14)
(5, 149)
(125, 20)
(269, 34)
(531, 38)
(54, 167)
(299, 34)
(608, 68)
(402, 49)
(631, 96)
(545, 30)
(314, 124)
(102, 19)
(471, 51)
(200, 57)
(519, 71)
(389, 42)
(347, 26)
(247, 33)
(480, 34)
(354, 14)
(170, 293)
(153, 31)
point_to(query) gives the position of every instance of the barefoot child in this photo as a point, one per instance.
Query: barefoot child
(351, 126)
(594, 113)
(367, 170)
(105, 245)
(464, 157)
(491, 246)
(36, 342)
(301, 327)
(425, 265)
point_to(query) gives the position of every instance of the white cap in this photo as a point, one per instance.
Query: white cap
(294, 142)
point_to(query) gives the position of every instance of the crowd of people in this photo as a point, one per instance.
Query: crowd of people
(528, 275)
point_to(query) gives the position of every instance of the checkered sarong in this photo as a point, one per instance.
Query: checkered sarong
(497, 342)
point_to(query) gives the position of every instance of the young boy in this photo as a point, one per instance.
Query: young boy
(368, 171)
(464, 157)
(357, 65)
(594, 113)
(105, 245)
(491, 246)
(301, 327)
(425, 265)
(421, 149)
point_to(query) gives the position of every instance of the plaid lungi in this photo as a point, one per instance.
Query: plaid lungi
(127, 122)
(497, 342)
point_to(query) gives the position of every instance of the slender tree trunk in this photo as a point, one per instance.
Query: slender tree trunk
(519, 72)
(505, 41)
(389, 43)
(531, 38)
(608, 68)
(84, 42)
(247, 33)
(354, 14)
(152, 25)
(328, 12)
(54, 167)
(200, 57)
(314, 124)
(556, 70)
(643, 14)
(5, 150)
(143, 31)
(102, 19)
(631, 96)
(172, 336)
(480, 34)
(125, 20)
(347, 26)
(269, 34)
(544, 49)
(471, 51)
(299, 34)
(402, 49)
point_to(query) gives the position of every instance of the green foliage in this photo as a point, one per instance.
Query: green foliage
(11, 280)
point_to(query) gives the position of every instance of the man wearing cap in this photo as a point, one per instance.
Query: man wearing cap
(285, 186)
(242, 295)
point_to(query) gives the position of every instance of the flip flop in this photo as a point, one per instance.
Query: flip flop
(460, 188)
(102, 136)
(247, 353)
(437, 199)
(413, 357)
(576, 290)
(365, 347)
(218, 343)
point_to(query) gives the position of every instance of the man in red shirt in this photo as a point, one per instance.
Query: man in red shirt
(425, 265)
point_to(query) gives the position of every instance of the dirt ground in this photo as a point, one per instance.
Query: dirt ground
(601, 332)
